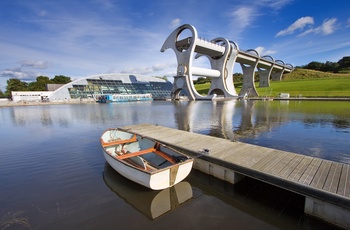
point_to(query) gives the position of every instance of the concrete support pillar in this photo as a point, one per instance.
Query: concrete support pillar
(265, 71)
(248, 86)
(264, 76)
(328, 212)
(277, 76)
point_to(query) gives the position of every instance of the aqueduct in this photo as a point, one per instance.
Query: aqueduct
(222, 55)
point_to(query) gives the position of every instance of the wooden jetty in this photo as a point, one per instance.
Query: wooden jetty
(325, 184)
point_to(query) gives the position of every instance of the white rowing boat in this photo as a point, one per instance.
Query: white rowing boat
(143, 160)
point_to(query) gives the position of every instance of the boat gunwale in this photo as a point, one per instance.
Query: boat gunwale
(188, 160)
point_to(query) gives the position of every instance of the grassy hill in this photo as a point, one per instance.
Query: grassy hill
(299, 74)
(301, 82)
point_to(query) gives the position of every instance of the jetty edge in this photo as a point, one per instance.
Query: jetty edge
(324, 184)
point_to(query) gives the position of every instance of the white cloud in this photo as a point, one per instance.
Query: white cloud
(297, 25)
(328, 27)
(243, 16)
(261, 50)
(26, 70)
(240, 19)
(18, 73)
(275, 4)
(35, 64)
(348, 23)
(150, 70)
(43, 13)
(246, 16)
(175, 23)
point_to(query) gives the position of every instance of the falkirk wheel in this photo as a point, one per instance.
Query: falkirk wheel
(222, 55)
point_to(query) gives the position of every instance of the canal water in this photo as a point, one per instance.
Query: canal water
(53, 174)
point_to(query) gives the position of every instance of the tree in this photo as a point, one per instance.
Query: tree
(61, 79)
(39, 84)
(315, 65)
(335, 67)
(15, 84)
(330, 67)
(202, 80)
(2, 94)
(344, 62)
(165, 78)
(237, 77)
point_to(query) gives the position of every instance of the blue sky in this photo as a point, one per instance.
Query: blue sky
(78, 38)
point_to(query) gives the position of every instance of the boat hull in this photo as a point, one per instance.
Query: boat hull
(154, 179)
(158, 180)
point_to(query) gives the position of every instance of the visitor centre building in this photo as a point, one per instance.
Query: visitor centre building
(93, 87)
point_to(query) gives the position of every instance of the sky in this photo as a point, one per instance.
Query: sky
(80, 38)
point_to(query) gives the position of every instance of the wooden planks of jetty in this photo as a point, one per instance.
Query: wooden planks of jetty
(320, 179)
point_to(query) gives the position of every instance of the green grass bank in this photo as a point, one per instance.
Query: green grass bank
(301, 82)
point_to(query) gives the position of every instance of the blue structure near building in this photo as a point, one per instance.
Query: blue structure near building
(124, 97)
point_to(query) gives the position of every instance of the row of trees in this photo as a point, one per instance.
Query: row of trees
(335, 67)
(15, 84)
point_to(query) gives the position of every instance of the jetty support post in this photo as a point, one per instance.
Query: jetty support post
(217, 171)
(328, 212)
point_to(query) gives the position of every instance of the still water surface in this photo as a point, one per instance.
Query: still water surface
(53, 174)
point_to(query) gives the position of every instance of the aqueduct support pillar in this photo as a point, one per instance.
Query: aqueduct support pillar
(248, 86)
(264, 77)
(265, 71)
(277, 76)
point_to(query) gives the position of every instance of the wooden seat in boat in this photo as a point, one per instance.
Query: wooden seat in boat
(118, 141)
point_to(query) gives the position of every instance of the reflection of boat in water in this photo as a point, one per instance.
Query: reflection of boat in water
(144, 160)
(152, 204)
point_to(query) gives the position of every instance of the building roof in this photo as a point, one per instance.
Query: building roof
(63, 92)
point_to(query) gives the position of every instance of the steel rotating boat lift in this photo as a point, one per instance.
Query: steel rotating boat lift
(222, 55)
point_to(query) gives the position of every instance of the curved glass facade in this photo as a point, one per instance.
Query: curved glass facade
(100, 87)
(95, 86)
